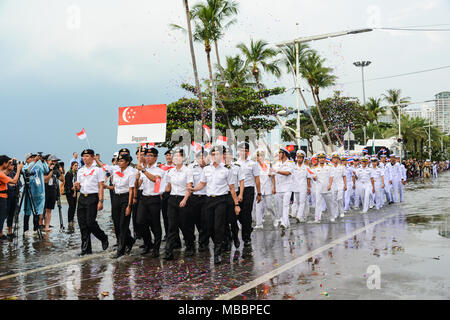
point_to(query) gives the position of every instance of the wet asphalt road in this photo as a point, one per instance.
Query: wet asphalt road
(409, 245)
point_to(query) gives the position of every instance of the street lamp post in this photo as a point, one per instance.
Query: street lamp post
(363, 64)
(295, 70)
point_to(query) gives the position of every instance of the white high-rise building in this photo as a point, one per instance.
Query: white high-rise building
(442, 111)
(424, 111)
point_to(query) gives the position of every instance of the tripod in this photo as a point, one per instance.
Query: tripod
(58, 201)
(26, 194)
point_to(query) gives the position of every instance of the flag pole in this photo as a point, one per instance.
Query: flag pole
(89, 145)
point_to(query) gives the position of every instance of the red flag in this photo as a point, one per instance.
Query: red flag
(221, 141)
(197, 146)
(207, 131)
(290, 148)
(157, 185)
(82, 134)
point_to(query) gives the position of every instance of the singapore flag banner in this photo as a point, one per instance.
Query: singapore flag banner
(142, 124)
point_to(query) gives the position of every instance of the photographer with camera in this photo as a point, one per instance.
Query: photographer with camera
(71, 193)
(13, 196)
(51, 188)
(33, 172)
(6, 162)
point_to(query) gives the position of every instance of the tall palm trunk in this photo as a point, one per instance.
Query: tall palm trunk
(326, 118)
(216, 46)
(327, 133)
(255, 74)
(194, 63)
(316, 128)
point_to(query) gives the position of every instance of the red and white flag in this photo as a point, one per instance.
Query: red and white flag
(208, 146)
(82, 134)
(142, 124)
(197, 146)
(221, 141)
(207, 131)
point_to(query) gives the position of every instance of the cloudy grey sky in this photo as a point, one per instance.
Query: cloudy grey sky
(70, 64)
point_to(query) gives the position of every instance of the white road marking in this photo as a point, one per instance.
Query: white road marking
(62, 264)
(266, 277)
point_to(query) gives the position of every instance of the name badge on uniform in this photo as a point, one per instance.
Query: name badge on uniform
(38, 181)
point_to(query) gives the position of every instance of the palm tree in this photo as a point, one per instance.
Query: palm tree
(290, 59)
(236, 73)
(258, 56)
(393, 97)
(194, 62)
(313, 71)
(223, 12)
(374, 110)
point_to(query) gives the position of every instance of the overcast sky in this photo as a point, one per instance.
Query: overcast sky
(66, 65)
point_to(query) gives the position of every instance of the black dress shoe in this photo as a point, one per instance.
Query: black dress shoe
(237, 243)
(168, 256)
(217, 259)
(202, 248)
(177, 246)
(155, 254)
(105, 244)
(129, 247)
(164, 239)
(142, 246)
(189, 252)
(145, 251)
(247, 243)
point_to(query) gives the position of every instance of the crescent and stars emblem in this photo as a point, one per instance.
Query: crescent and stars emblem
(128, 114)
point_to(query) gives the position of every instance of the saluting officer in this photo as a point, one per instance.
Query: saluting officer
(218, 180)
(251, 179)
(124, 183)
(149, 210)
(179, 183)
(90, 180)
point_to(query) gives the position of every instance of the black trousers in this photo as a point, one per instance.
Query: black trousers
(197, 207)
(164, 209)
(149, 216)
(122, 222)
(231, 226)
(11, 208)
(245, 216)
(72, 201)
(134, 213)
(179, 218)
(87, 221)
(216, 211)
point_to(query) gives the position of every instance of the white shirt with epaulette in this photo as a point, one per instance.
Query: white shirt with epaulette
(323, 175)
(89, 179)
(283, 183)
(217, 179)
(197, 171)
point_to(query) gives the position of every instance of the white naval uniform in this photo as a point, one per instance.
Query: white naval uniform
(348, 193)
(402, 177)
(283, 190)
(364, 186)
(396, 178)
(337, 189)
(267, 202)
(179, 180)
(300, 208)
(355, 195)
(387, 186)
(323, 175)
(377, 173)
